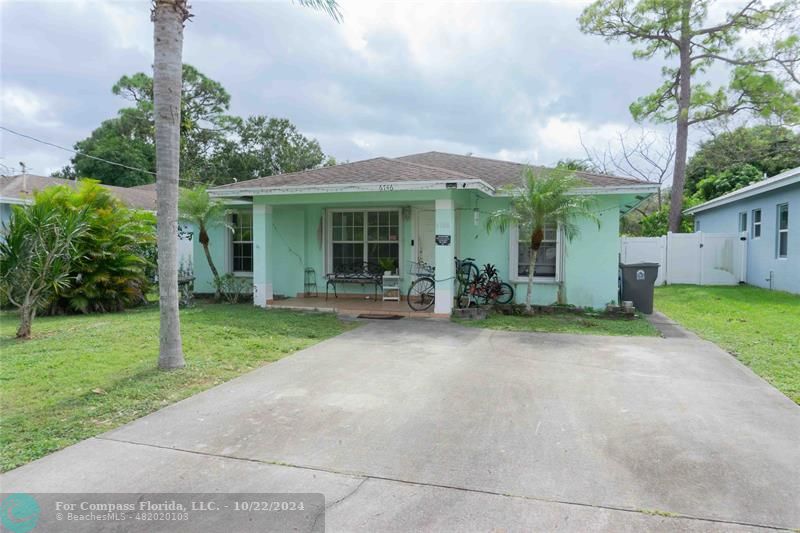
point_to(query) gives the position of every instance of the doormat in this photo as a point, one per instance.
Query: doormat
(380, 316)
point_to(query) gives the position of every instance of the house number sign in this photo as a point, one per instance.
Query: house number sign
(443, 240)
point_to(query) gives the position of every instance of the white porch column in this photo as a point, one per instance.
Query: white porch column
(445, 266)
(262, 247)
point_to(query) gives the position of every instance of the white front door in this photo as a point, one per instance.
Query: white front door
(426, 229)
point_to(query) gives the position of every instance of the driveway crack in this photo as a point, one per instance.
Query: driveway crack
(337, 502)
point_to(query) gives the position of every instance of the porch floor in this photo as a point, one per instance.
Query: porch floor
(351, 306)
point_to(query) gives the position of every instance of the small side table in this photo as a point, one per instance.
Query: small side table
(391, 288)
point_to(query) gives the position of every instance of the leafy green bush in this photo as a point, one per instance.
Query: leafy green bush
(726, 181)
(112, 259)
(231, 287)
(656, 224)
(39, 245)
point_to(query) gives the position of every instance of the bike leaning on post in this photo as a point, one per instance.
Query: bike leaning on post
(422, 292)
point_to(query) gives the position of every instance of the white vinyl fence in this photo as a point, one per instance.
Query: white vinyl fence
(693, 258)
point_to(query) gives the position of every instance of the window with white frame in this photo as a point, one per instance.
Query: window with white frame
(547, 261)
(782, 242)
(755, 232)
(369, 236)
(742, 221)
(242, 241)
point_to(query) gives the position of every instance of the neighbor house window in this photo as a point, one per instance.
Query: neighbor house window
(756, 230)
(782, 244)
(242, 241)
(742, 221)
(546, 259)
(359, 237)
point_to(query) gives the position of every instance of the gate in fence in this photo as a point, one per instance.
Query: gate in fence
(693, 258)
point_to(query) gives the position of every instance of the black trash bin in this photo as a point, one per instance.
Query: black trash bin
(638, 280)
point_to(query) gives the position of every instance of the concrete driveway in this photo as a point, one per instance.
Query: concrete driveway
(426, 425)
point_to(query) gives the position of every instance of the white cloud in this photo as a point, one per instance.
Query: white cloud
(22, 107)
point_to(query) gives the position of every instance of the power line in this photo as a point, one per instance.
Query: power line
(76, 151)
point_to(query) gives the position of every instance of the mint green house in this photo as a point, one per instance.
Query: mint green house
(428, 207)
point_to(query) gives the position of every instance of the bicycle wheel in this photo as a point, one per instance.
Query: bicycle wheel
(421, 294)
(467, 272)
(505, 294)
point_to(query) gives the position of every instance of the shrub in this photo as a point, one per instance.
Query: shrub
(37, 251)
(112, 259)
(231, 287)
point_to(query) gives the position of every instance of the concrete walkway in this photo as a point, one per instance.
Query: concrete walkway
(426, 425)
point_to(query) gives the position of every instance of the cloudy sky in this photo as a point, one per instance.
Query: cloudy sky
(513, 80)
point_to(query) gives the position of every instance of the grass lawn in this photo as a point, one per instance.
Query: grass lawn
(83, 375)
(565, 323)
(760, 327)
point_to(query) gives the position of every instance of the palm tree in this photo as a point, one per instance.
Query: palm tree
(197, 207)
(168, 18)
(546, 198)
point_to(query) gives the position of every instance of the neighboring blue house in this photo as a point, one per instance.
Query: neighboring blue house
(767, 214)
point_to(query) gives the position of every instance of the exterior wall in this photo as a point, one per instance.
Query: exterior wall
(218, 239)
(299, 233)
(762, 260)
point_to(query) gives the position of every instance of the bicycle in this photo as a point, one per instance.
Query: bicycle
(488, 289)
(422, 292)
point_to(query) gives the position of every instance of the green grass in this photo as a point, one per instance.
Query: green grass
(565, 323)
(83, 375)
(758, 326)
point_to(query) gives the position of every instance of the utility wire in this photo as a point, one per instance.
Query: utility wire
(76, 151)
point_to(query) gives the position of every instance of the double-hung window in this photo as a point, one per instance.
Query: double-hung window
(369, 236)
(755, 232)
(742, 221)
(546, 260)
(242, 241)
(782, 241)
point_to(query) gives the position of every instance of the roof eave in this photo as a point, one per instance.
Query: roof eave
(386, 186)
(15, 200)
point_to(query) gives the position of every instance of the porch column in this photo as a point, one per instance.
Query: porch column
(262, 246)
(445, 266)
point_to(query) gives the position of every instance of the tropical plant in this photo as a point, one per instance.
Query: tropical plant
(196, 206)
(758, 41)
(36, 253)
(387, 264)
(541, 199)
(111, 265)
(168, 19)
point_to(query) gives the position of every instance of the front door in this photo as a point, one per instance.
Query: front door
(426, 229)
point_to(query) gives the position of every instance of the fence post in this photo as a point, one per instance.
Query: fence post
(700, 255)
(667, 256)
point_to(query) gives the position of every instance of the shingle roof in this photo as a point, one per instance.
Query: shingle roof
(498, 173)
(429, 166)
(378, 170)
(22, 187)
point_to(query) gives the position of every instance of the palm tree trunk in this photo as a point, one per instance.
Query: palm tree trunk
(213, 268)
(534, 254)
(168, 19)
(26, 314)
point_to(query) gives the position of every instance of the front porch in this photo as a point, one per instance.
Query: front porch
(351, 306)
